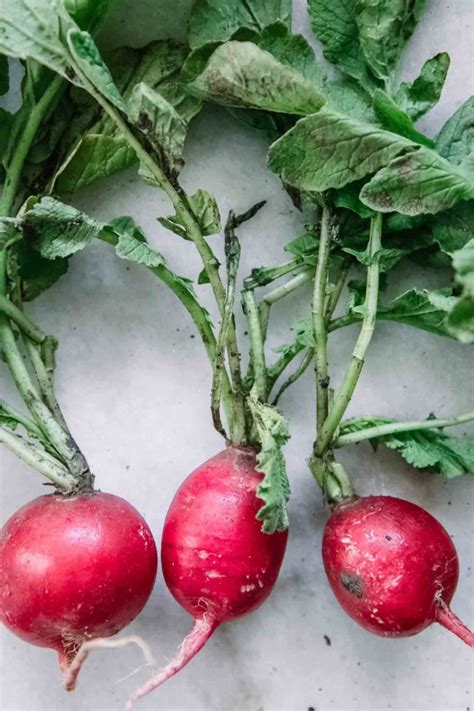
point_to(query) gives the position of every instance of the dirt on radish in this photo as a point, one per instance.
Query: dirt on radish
(392, 566)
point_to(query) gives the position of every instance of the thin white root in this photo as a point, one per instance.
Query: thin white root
(192, 644)
(71, 671)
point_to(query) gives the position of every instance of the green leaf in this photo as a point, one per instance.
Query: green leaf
(274, 489)
(418, 182)
(384, 27)
(453, 229)
(388, 258)
(348, 197)
(32, 29)
(304, 246)
(132, 244)
(88, 13)
(451, 456)
(419, 97)
(161, 124)
(243, 75)
(215, 21)
(60, 230)
(36, 273)
(293, 51)
(99, 150)
(349, 98)
(461, 318)
(7, 418)
(95, 157)
(88, 59)
(394, 119)
(419, 308)
(204, 208)
(328, 150)
(334, 23)
(4, 75)
(456, 139)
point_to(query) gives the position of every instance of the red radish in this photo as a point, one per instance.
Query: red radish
(392, 567)
(217, 562)
(74, 569)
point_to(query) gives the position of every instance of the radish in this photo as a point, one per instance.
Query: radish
(392, 566)
(74, 569)
(217, 562)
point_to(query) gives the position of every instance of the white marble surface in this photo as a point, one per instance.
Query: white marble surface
(134, 384)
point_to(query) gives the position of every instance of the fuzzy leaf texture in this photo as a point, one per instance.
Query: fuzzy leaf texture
(91, 64)
(274, 489)
(132, 244)
(217, 21)
(328, 150)
(32, 29)
(419, 308)
(161, 124)
(204, 208)
(294, 51)
(100, 150)
(456, 139)
(419, 97)
(240, 74)
(59, 229)
(384, 27)
(461, 317)
(334, 22)
(423, 449)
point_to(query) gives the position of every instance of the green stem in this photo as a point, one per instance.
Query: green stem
(23, 145)
(179, 202)
(45, 383)
(266, 275)
(59, 439)
(257, 351)
(337, 291)
(287, 357)
(319, 321)
(25, 324)
(396, 427)
(279, 293)
(195, 310)
(40, 461)
(305, 363)
(343, 397)
(30, 426)
(288, 287)
(232, 248)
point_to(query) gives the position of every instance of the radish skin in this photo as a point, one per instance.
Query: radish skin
(392, 566)
(74, 569)
(217, 562)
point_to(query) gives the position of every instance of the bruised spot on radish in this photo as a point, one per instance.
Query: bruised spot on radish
(407, 567)
(352, 583)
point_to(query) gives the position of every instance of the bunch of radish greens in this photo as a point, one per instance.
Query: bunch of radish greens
(373, 191)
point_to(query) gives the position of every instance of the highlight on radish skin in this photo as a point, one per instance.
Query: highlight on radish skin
(74, 569)
(392, 566)
(217, 562)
